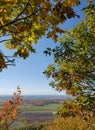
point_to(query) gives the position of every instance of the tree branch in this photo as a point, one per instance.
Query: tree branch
(5, 40)
(10, 62)
(23, 9)
(16, 20)
(4, 35)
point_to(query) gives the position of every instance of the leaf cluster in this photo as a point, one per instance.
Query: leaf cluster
(9, 110)
(83, 106)
(74, 67)
(74, 60)
(70, 123)
(23, 22)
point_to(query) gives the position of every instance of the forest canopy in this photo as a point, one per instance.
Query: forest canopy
(23, 22)
(74, 64)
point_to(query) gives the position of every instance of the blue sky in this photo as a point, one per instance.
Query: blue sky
(28, 73)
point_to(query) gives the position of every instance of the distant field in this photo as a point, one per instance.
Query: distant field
(35, 111)
(33, 106)
(26, 119)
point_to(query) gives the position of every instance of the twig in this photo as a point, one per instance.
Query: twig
(16, 20)
(5, 40)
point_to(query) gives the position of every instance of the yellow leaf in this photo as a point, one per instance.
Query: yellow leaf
(71, 2)
(46, 5)
(49, 18)
(1, 21)
(22, 50)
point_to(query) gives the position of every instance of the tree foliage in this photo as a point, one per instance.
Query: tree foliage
(76, 123)
(9, 110)
(23, 22)
(74, 63)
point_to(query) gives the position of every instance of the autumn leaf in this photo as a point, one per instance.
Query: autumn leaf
(26, 21)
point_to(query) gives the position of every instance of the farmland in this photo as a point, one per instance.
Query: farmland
(36, 111)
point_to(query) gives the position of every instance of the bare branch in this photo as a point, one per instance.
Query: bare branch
(5, 40)
(4, 35)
